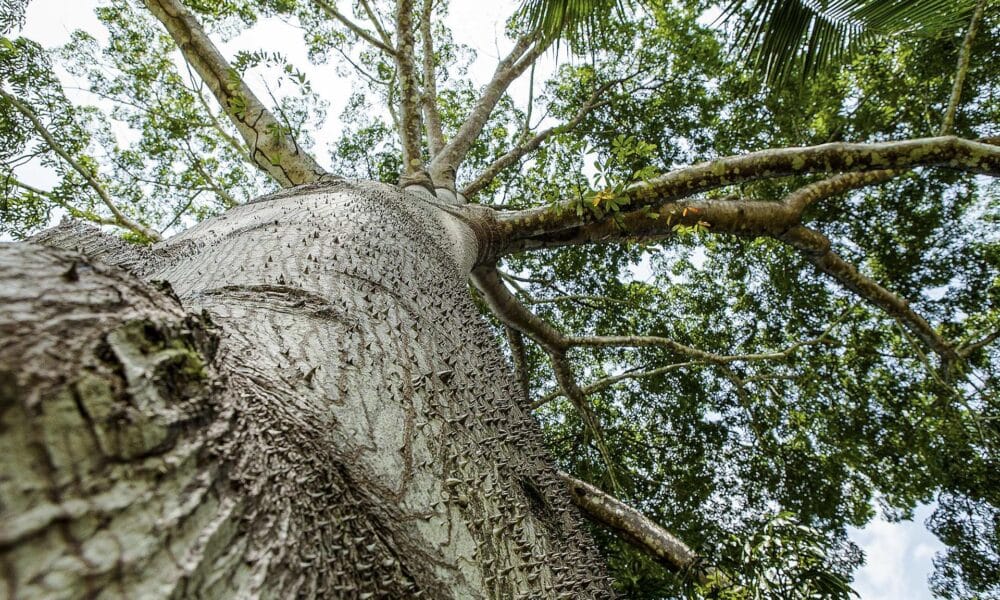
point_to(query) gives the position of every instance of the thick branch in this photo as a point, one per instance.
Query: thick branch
(539, 224)
(777, 220)
(272, 147)
(514, 314)
(518, 152)
(835, 266)
(524, 54)
(816, 247)
(807, 195)
(540, 228)
(410, 126)
(359, 31)
(635, 527)
(962, 70)
(435, 135)
(813, 244)
(88, 176)
(945, 151)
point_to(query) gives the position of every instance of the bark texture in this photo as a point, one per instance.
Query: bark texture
(335, 422)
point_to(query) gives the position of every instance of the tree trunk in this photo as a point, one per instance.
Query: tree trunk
(337, 421)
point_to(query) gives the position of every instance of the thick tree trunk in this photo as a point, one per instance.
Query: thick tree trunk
(336, 423)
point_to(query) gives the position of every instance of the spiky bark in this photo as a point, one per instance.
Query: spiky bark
(333, 423)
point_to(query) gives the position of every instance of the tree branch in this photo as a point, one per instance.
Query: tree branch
(833, 265)
(635, 527)
(644, 341)
(522, 149)
(517, 316)
(771, 219)
(354, 27)
(91, 178)
(700, 357)
(816, 248)
(607, 382)
(962, 69)
(532, 228)
(376, 23)
(272, 148)
(514, 315)
(807, 195)
(239, 147)
(966, 350)
(73, 211)
(543, 228)
(410, 126)
(435, 135)
(227, 199)
(525, 52)
(567, 382)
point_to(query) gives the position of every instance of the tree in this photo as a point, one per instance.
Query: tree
(296, 396)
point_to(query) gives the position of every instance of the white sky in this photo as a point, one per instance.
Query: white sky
(898, 554)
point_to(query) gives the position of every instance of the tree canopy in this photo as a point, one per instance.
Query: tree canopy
(755, 348)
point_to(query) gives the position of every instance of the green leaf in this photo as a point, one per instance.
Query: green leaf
(782, 37)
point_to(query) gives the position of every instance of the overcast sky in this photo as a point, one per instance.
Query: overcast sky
(898, 554)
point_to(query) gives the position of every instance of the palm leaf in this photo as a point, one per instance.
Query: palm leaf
(574, 20)
(780, 37)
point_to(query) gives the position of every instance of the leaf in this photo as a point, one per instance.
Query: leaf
(571, 20)
(780, 37)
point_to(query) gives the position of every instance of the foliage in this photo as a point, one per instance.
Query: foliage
(156, 129)
(11, 15)
(782, 36)
(577, 20)
(836, 425)
(783, 559)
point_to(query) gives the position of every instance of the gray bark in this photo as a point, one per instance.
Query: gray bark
(311, 408)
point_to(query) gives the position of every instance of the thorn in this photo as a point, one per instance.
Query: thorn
(71, 274)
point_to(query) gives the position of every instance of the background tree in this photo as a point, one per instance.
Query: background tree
(742, 328)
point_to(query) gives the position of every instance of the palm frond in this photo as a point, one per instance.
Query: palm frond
(780, 37)
(575, 20)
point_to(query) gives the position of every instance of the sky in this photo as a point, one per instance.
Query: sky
(898, 554)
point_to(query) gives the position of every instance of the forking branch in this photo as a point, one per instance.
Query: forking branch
(525, 52)
(359, 31)
(530, 145)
